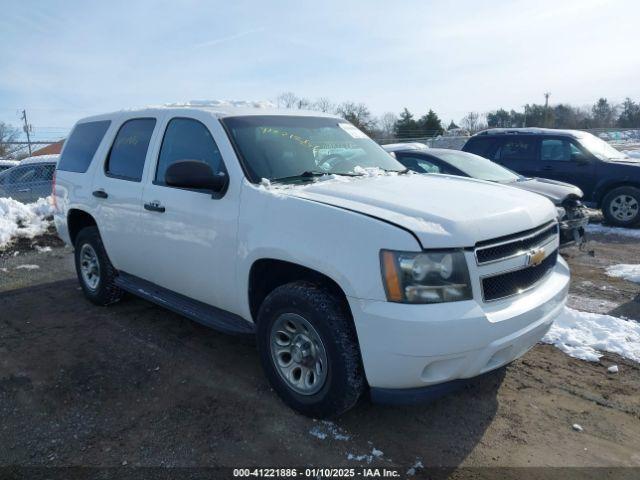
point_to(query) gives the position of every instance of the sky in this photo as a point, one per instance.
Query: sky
(62, 60)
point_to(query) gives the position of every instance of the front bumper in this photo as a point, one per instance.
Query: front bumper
(412, 346)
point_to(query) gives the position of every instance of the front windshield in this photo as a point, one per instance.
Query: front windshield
(295, 148)
(478, 167)
(600, 148)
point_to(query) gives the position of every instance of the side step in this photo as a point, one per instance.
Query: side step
(208, 315)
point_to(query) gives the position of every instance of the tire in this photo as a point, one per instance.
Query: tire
(341, 382)
(104, 291)
(621, 206)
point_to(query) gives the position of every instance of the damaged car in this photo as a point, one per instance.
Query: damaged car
(572, 214)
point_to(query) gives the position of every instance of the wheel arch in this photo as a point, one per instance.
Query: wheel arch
(267, 274)
(77, 220)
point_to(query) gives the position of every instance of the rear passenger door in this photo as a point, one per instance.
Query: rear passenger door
(190, 235)
(517, 153)
(117, 188)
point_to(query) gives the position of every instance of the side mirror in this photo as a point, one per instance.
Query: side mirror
(194, 174)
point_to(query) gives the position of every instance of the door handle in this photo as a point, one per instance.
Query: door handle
(154, 207)
(24, 190)
(100, 194)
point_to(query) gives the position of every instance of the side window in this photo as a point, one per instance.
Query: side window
(187, 139)
(46, 172)
(129, 149)
(419, 164)
(555, 150)
(515, 149)
(23, 174)
(81, 146)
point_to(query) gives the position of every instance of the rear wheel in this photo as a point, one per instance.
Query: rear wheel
(95, 272)
(309, 350)
(621, 206)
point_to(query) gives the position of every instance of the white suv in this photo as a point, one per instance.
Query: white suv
(352, 273)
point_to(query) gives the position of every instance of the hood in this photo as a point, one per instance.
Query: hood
(442, 211)
(555, 191)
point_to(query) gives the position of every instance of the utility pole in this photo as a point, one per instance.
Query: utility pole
(546, 108)
(27, 129)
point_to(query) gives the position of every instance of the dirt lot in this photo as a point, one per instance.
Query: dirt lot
(133, 384)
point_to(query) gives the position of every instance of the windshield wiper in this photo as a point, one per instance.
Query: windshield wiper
(305, 174)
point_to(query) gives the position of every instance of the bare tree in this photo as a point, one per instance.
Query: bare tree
(358, 114)
(8, 134)
(287, 100)
(304, 104)
(473, 122)
(387, 123)
(325, 105)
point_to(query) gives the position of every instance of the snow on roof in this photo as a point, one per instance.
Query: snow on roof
(529, 130)
(396, 147)
(8, 163)
(40, 159)
(218, 108)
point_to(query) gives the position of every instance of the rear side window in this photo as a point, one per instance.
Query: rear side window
(187, 139)
(480, 146)
(81, 146)
(129, 150)
(516, 149)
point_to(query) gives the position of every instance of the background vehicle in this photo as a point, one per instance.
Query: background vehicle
(572, 215)
(5, 164)
(609, 179)
(30, 180)
(299, 229)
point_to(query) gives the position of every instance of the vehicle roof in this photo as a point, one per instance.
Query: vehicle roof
(218, 109)
(4, 163)
(399, 147)
(529, 131)
(40, 159)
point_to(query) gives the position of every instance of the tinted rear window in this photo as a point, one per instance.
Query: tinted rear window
(81, 146)
(479, 146)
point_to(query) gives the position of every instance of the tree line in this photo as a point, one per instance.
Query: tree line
(602, 114)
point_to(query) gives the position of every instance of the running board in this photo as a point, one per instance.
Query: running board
(208, 315)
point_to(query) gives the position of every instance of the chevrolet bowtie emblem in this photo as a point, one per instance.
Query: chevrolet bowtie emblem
(535, 257)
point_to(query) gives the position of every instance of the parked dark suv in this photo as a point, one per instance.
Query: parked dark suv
(609, 179)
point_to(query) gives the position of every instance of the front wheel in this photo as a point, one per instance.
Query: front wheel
(309, 350)
(621, 206)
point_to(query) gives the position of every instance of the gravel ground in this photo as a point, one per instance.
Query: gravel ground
(136, 385)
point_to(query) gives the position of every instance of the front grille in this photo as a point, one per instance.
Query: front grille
(514, 282)
(499, 249)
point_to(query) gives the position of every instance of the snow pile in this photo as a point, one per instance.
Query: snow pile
(632, 153)
(583, 335)
(23, 220)
(626, 271)
(604, 230)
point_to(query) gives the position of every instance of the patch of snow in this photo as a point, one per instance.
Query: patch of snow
(626, 271)
(19, 220)
(577, 428)
(632, 153)
(27, 267)
(377, 453)
(368, 457)
(591, 304)
(584, 335)
(605, 230)
(224, 103)
(414, 468)
(613, 369)
(40, 249)
(327, 429)
(370, 171)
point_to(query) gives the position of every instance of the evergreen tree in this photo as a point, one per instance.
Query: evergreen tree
(430, 124)
(452, 126)
(630, 115)
(406, 126)
(603, 114)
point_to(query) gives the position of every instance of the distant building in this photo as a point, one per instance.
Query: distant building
(52, 149)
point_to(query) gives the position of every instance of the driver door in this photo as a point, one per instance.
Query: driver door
(563, 160)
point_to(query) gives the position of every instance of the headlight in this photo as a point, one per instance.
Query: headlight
(561, 212)
(426, 277)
